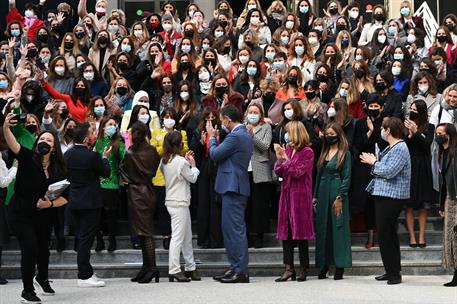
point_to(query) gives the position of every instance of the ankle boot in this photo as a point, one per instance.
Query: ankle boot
(148, 276)
(323, 273)
(139, 275)
(112, 245)
(338, 273)
(180, 277)
(193, 275)
(452, 283)
(289, 273)
(100, 243)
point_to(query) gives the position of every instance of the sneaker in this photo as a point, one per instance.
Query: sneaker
(29, 297)
(93, 281)
(43, 287)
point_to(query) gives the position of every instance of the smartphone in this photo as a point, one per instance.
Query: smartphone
(39, 63)
(20, 118)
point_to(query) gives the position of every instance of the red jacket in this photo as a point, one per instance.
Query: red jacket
(14, 15)
(356, 110)
(174, 40)
(77, 110)
(236, 99)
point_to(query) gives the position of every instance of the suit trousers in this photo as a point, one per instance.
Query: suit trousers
(86, 222)
(163, 217)
(387, 212)
(181, 240)
(234, 231)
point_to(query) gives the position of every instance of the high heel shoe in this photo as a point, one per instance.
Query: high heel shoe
(369, 245)
(323, 273)
(193, 275)
(139, 275)
(302, 276)
(180, 277)
(288, 274)
(338, 273)
(112, 245)
(422, 245)
(147, 278)
(452, 283)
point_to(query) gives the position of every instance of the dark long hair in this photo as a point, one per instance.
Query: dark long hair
(140, 134)
(172, 146)
(422, 121)
(451, 132)
(342, 146)
(85, 99)
(57, 167)
(115, 140)
(134, 116)
(204, 115)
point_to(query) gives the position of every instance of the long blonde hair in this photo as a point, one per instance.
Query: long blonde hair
(298, 136)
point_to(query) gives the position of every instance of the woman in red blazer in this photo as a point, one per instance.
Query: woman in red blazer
(221, 94)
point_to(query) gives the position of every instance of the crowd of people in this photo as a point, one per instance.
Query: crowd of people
(316, 119)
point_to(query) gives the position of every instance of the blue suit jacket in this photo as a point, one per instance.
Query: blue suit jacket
(233, 156)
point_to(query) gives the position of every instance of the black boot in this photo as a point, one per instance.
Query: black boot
(100, 243)
(166, 242)
(323, 273)
(452, 283)
(193, 275)
(112, 245)
(338, 273)
(60, 244)
(180, 277)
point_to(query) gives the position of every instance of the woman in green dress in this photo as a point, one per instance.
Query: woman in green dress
(333, 237)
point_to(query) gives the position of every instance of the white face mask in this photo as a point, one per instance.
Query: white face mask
(60, 71)
(143, 118)
(289, 25)
(423, 88)
(252, 6)
(354, 14)
(143, 103)
(88, 76)
(382, 39)
(167, 26)
(255, 20)
(138, 33)
(313, 41)
(411, 38)
(184, 96)
(358, 57)
(244, 59)
(29, 13)
(331, 112)
(396, 71)
(169, 123)
(204, 76)
(289, 114)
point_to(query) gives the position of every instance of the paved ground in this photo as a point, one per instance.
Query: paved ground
(354, 290)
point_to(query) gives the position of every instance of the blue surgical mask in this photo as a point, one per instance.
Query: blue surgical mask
(126, 48)
(110, 131)
(304, 9)
(300, 50)
(343, 92)
(15, 33)
(392, 30)
(278, 65)
(270, 56)
(405, 11)
(3, 84)
(285, 40)
(251, 71)
(399, 56)
(253, 118)
(383, 135)
(344, 42)
(286, 137)
(99, 110)
(205, 46)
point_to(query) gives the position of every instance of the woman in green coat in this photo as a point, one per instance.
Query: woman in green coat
(108, 136)
(333, 237)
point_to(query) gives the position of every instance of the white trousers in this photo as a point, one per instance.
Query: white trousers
(181, 240)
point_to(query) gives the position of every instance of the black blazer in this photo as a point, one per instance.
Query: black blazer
(84, 168)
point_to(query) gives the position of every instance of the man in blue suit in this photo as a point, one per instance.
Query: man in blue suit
(232, 182)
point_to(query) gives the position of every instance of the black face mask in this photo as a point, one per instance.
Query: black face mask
(103, 40)
(32, 53)
(68, 45)
(413, 115)
(43, 38)
(184, 65)
(310, 95)
(167, 88)
(440, 139)
(69, 133)
(122, 65)
(80, 91)
(359, 73)
(80, 35)
(121, 91)
(333, 11)
(43, 148)
(322, 77)
(331, 140)
(211, 61)
(224, 24)
(269, 97)
(227, 50)
(220, 91)
(373, 113)
(450, 27)
(189, 33)
(378, 17)
(340, 27)
(380, 86)
(64, 114)
(292, 80)
(31, 128)
(441, 39)
(249, 44)
(424, 70)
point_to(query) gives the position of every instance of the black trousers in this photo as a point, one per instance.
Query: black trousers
(86, 222)
(370, 213)
(288, 251)
(33, 234)
(258, 209)
(387, 212)
(163, 217)
(108, 218)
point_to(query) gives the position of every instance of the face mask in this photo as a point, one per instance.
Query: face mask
(440, 139)
(423, 88)
(80, 91)
(43, 148)
(29, 98)
(331, 140)
(396, 71)
(45, 58)
(167, 27)
(184, 65)
(359, 73)
(289, 114)
(80, 35)
(442, 39)
(227, 50)
(138, 33)
(383, 135)
(304, 9)
(413, 115)
(31, 128)
(359, 57)
(204, 76)
(184, 95)
(270, 56)
(29, 13)
(399, 56)
(300, 50)
(252, 6)
(244, 59)
(224, 23)
(285, 40)
(189, 33)
(438, 62)
(99, 110)
(344, 43)
(278, 65)
(378, 17)
(405, 11)
(186, 48)
(100, 10)
(15, 33)
(353, 14)
(380, 86)
(322, 77)
(292, 80)
(60, 71)
(319, 28)
(333, 11)
(126, 48)
(42, 38)
(3, 84)
(269, 97)
(289, 25)
(204, 87)
(68, 45)
(255, 20)
(114, 28)
(64, 114)
(220, 91)
(80, 64)
(286, 137)
(411, 38)
(277, 16)
(110, 131)
(121, 91)
(450, 27)
(331, 112)
(88, 76)
(169, 123)
(340, 27)
(310, 95)
(251, 71)
(103, 40)
(382, 39)
(144, 118)
(122, 65)
(313, 41)
(218, 34)
(343, 92)
(167, 88)
(253, 118)
(32, 53)
(205, 46)
(373, 113)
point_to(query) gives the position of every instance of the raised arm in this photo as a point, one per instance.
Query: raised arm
(11, 141)
(82, 9)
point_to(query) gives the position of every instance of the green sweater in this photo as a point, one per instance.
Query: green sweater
(112, 182)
